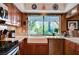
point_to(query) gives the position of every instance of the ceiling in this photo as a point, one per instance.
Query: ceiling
(44, 7)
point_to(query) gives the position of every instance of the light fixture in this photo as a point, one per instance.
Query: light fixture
(55, 7)
(34, 6)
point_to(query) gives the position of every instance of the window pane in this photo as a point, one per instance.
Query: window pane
(51, 25)
(35, 25)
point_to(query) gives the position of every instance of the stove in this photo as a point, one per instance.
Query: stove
(8, 47)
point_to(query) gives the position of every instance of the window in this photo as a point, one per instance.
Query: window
(43, 25)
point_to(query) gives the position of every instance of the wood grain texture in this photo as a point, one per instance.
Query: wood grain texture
(56, 46)
(23, 47)
(77, 49)
(13, 14)
(69, 48)
(37, 49)
(63, 22)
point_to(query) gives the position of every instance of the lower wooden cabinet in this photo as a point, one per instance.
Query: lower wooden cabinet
(37, 49)
(23, 47)
(56, 46)
(77, 49)
(53, 47)
(70, 48)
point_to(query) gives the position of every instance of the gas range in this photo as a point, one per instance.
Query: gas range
(8, 47)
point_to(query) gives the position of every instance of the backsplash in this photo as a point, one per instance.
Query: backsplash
(20, 32)
(2, 27)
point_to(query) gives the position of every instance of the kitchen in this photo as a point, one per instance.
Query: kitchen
(39, 29)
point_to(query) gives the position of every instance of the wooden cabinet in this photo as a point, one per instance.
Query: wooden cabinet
(69, 48)
(14, 15)
(10, 9)
(37, 49)
(77, 49)
(23, 47)
(72, 12)
(18, 20)
(56, 46)
(63, 23)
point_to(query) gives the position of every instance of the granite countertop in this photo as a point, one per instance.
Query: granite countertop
(73, 39)
(45, 36)
(42, 39)
(19, 38)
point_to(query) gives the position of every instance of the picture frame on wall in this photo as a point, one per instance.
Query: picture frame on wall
(74, 22)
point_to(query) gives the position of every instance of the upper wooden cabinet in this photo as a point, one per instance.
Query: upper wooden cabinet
(10, 9)
(14, 15)
(72, 12)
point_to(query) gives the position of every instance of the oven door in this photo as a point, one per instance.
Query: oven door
(15, 51)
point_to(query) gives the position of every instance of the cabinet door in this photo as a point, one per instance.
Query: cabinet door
(23, 47)
(41, 49)
(56, 46)
(30, 49)
(77, 49)
(10, 9)
(37, 49)
(69, 51)
(14, 15)
(69, 48)
(18, 20)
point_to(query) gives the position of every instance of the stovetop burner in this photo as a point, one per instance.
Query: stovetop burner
(6, 46)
